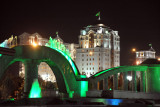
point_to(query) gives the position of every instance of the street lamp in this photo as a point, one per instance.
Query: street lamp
(134, 50)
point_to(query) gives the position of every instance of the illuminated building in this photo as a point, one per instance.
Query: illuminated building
(35, 39)
(144, 54)
(70, 46)
(99, 49)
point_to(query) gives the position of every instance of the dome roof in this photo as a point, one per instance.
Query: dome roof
(151, 61)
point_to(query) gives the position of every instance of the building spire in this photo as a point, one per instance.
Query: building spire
(99, 16)
(151, 49)
(57, 34)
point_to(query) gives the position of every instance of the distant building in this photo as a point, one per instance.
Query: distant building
(99, 49)
(44, 70)
(144, 54)
(36, 39)
(29, 39)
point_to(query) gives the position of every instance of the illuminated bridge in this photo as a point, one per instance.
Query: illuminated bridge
(69, 80)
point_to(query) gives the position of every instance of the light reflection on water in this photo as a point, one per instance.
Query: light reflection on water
(108, 101)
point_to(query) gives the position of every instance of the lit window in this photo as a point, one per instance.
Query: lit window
(93, 63)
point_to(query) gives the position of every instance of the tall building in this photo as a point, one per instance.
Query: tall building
(144, 54)
(99, 49)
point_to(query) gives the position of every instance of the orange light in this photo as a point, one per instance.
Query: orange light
(137, 62)
(90, 53)
(133, 50)
(34, 44)
(158, 59)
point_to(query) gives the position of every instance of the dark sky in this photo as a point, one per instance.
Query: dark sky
(138, 22)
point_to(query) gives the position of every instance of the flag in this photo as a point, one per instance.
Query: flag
(56, 33)
(98, 14)
(150, 45)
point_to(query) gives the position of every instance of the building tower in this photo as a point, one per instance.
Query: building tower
(144, 54)
(99, 49)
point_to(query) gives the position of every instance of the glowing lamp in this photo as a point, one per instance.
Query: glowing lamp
(34, 44)
(137, 62)
(90, 53)
(133, 50)
(129, 78)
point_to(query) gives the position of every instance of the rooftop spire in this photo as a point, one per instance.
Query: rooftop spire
(98, 14)
(57, 33)
(151, 49)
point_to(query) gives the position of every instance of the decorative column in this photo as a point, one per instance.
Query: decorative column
(134, 81)
(142, 82)
(31, 73)
(105, 84)
(115, 82)
(125, 81)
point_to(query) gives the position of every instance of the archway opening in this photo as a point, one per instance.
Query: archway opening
(47, 81)
(12, 83)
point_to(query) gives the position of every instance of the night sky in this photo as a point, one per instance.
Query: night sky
(138, 22)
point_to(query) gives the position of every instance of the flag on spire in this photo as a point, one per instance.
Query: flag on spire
(56, 33)
(150, 45)
(98, 14)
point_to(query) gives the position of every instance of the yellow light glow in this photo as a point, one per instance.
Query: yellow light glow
(133, 50)
(90, 53)
(137, 62)
(34, 44)
(158, 59)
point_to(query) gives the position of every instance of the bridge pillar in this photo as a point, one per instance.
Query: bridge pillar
(115, 82)
(153, 78)
(134, 81)
(125, 81)
(105, 84)
(142, 82)
(31, 73)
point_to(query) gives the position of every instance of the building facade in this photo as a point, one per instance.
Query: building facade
(99, 49)
(144, 54)
(35, 39)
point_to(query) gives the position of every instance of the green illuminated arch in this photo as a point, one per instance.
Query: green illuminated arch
(103, 74)
(65, 70)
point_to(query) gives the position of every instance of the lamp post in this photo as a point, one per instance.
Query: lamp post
(133, 55)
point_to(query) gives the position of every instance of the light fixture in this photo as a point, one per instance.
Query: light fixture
(129, 78)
